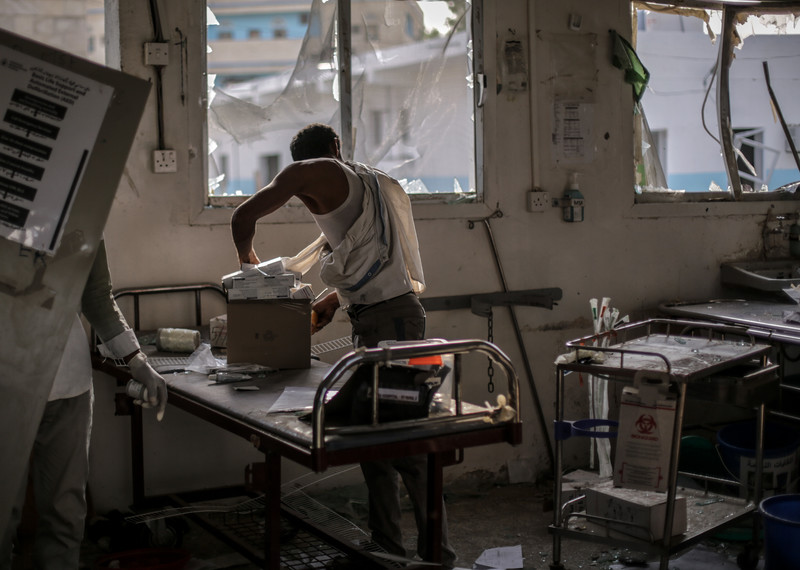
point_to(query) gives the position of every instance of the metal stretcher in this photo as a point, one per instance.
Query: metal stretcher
(704, 361)
(318, 446)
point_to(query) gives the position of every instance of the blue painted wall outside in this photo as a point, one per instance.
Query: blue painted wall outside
(240, 25)
(699, 181)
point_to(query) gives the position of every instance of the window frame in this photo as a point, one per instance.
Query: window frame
(727, 135)
(216, 209)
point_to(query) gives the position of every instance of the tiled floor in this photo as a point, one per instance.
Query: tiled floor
(481, 514)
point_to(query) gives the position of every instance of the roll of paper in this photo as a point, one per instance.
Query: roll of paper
(177, 340)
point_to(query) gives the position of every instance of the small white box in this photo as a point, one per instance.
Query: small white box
(303, 291)
(640, 513)
(259, 293)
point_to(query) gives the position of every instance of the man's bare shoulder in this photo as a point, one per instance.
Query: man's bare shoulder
(320, 182)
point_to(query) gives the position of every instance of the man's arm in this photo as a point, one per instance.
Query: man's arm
(319, 183)
(101, 310)
(260, 204)
(323, 311)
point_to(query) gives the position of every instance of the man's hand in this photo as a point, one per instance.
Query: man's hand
(249, 257)
(323, 311)
(156, 394)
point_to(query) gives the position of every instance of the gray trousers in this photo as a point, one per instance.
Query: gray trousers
(59, 471)
(401, 318)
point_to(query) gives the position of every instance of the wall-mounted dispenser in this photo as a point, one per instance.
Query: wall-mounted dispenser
(572, 203)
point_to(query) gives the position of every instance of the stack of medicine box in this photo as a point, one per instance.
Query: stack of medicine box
(267, 280)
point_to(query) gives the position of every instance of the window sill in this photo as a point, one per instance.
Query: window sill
(428, 207)
(711, 205)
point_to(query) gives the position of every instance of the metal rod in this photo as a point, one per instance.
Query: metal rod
(375, 387)
(379, 355)
(672, 481)
(521, 342)
(724, 102)
(777, 108)
(345, 78)
(557, 467)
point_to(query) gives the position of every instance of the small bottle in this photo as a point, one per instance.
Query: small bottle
(136, 390)
(573, 200)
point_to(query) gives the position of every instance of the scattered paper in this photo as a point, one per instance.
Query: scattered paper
(791, 317)
(296, 399)
(501, 558)
(793, 293)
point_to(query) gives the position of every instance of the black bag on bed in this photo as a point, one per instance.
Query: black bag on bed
(404, 392)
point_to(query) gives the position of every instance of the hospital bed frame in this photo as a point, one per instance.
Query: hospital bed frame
(319, 446)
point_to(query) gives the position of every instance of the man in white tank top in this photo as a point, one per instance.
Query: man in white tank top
(375, 269)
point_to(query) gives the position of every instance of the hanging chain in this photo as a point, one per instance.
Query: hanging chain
(490, 338)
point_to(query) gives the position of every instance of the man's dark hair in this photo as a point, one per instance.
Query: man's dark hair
(313, 141)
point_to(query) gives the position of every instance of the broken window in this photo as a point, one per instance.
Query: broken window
(709, 68)
(407, 109)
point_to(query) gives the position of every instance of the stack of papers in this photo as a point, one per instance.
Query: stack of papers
(267, 280)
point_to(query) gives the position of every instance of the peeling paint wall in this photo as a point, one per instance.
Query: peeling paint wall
(639, 255)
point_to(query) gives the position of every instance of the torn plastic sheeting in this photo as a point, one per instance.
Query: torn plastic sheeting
(411, 141)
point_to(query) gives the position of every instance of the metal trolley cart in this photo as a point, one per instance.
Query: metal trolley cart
(702, 361)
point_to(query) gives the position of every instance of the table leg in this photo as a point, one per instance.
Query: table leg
(137, 455)
(272, 514)
(433, 528)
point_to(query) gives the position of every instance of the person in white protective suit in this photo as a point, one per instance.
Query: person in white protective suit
(369, 255)
(59, 462)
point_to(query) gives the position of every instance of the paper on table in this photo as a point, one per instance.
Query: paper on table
(793, 293)
(791, 317)
(296, 399)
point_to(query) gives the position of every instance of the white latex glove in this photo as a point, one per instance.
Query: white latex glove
(155, 393)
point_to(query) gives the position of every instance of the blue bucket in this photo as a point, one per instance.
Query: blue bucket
(737, 447)
(781, 515)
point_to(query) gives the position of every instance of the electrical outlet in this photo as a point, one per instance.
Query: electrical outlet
(538, 200)
(156, 53)
(165, 161)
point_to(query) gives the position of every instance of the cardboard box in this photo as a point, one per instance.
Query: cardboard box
(273, 332)
(644, 435)
(646, 511)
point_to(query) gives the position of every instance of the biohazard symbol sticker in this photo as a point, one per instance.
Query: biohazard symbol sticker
(646, 424)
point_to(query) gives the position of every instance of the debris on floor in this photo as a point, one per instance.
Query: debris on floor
(700, 557)
(502, 558)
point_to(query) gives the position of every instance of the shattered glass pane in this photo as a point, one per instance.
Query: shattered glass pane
(275, 72)
(680, 48)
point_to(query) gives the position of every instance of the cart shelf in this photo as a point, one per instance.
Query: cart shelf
(706, 361)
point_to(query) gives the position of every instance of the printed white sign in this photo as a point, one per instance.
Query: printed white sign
(49, 120)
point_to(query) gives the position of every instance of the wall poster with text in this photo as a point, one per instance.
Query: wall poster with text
(49, 121)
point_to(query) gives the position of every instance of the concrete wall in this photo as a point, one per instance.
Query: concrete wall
(639, 255)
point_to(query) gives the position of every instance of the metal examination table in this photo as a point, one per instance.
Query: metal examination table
(764, 319)
(318, 446)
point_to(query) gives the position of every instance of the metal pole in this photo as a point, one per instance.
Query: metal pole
(518, 333)
(345, 78)
(558, 519)
(724, 61)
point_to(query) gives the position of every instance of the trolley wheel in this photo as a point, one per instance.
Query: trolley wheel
(747, 559)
